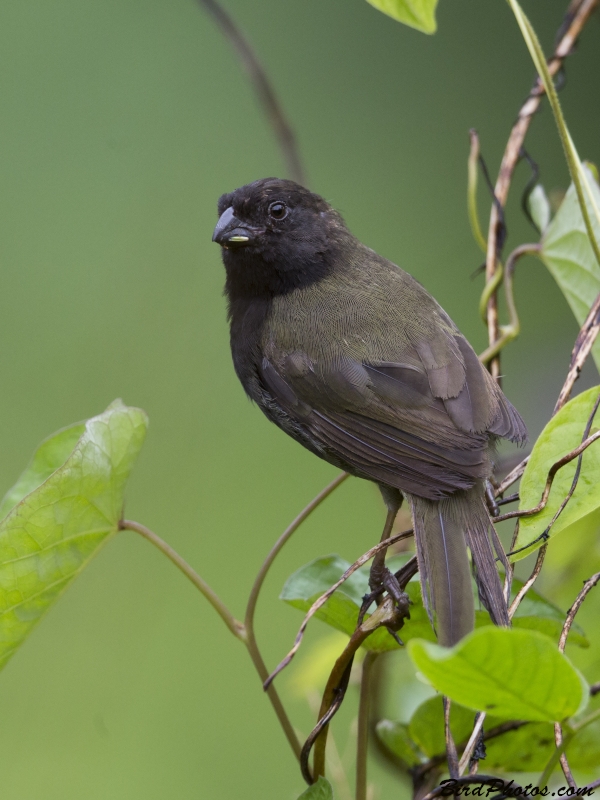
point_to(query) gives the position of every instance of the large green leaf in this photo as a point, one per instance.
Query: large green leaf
(568, 254)
(561, 435)
(419, 14)
(65, 505)
(321, 790)
(514, 674)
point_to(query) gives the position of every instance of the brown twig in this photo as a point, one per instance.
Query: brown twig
(512, 477)
(539, 563)
(571, 614)
(581, 350)
(451, 753)
(324, 597)
(577, 16)
(578, 452)
(562, 462)
(387, 615)
(263, 88)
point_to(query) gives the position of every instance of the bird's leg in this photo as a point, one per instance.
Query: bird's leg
(380, 577)
(490, 498)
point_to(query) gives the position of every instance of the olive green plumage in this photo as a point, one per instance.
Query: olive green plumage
(352, 357)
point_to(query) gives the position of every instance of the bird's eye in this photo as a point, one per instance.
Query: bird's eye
(278, 210)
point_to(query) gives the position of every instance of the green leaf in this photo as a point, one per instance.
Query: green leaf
(419, 14)
(514, 674)
(321, 790)
(341, 610)
(396, 738)
(65, 505)
(561, 435)
(426, 726)
(568, 254)
(50, 455)
(539, 207)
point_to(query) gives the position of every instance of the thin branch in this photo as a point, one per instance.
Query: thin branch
(471, 744)
(587, 441)
(324, 597)
(572, 612)
(387, 615)
(451, 753)
(562, 462)
(275, 550)
(539, 563)
(564, 764)
(234, 625)
(579, 16)
(251, 642)
(581, 350)
(263, 87)
(512, 477)
(362, 738)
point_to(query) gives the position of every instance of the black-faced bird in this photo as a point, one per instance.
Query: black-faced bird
(354, 359)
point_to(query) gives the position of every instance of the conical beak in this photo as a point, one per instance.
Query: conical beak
(231, 232)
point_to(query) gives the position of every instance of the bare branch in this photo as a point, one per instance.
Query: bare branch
(263, 88)
(451, 753)
(581, 350)
(562, 462)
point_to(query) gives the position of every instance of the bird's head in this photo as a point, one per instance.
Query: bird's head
(276, 236)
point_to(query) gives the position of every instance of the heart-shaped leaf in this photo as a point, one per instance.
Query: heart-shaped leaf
(66, 504)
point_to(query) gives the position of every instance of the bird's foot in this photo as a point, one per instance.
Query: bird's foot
(387, 581)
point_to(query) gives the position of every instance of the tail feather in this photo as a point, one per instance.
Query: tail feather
(444, 570)
(443, 529)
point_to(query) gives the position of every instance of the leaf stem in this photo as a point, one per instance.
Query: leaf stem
(234, 625)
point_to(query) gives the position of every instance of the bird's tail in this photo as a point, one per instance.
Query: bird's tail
(443, 530)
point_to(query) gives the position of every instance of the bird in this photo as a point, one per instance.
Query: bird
(353, 358)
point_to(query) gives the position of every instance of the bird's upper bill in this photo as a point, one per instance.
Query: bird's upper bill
(230, 232)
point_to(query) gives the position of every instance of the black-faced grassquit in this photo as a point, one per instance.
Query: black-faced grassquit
(354, 359)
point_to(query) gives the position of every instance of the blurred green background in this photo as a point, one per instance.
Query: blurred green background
(122, 122)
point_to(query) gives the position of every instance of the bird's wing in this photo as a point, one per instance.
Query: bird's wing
(421, 426)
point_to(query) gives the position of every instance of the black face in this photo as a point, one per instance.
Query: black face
(275, 236)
